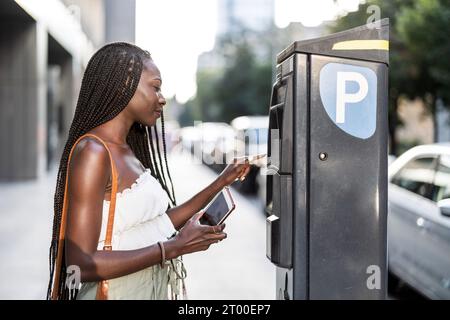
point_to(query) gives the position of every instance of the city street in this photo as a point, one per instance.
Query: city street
(348, 101)
(236, 268)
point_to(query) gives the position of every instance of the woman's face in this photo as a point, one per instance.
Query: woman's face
(147, 102)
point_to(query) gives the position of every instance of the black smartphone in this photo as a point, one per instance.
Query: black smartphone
(219, 208)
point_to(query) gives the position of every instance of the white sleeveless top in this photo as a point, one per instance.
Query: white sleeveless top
(140, 220)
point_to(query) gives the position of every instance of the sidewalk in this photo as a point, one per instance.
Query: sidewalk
(26, 218)
(236, 268)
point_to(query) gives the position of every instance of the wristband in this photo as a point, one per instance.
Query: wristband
(163, 254)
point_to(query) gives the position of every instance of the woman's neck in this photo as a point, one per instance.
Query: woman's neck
(115, 130)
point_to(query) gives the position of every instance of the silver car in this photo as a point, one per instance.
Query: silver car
(419, 219)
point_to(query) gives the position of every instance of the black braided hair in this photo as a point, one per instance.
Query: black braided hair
(109, 82)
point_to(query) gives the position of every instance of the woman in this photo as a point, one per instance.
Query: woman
(119, 103)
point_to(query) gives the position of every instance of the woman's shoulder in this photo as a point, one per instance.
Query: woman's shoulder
(90, 152)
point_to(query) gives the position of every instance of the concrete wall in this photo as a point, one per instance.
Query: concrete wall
(43, 51)
(23, 52)
(91, 16)
(120, 20)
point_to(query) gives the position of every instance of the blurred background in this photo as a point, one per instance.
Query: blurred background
(217, 60)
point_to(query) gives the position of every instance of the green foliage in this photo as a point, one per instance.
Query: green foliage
(244, 88)
(424, 28)
(207, 82)
(419, 64)
(241, 87)
(400, 63)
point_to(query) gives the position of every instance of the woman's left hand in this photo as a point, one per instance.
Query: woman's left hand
(236, 170)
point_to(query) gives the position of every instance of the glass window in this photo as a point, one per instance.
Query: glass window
(442, 179)
(417, 176)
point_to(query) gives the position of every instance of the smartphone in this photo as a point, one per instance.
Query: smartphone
(219, 208)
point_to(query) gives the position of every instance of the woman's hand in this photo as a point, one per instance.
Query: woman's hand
(195, 237)
(236, 170)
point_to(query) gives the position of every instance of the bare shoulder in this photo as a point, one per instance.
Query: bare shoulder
(91, 149)
(90, 157)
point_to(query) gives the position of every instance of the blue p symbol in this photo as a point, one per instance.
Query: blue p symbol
(349, 96)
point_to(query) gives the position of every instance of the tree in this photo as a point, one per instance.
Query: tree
(424, 28)
(240, 87)
(398, 55)
(244, 88)
(206, 94)
(419, 47)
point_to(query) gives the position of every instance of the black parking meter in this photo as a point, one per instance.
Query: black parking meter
(327, 166)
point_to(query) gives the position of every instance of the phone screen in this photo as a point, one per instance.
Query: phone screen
(220, 206)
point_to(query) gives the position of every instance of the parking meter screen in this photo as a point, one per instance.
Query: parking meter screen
(217, 210)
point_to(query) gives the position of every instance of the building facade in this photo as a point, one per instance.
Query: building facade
(44, 48)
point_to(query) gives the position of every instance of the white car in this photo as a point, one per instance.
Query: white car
(251, 139)
(252, 132)
(419, 219)
(211, 136)
(190, 138)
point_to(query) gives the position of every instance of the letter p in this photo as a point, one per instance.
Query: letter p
(342, 97)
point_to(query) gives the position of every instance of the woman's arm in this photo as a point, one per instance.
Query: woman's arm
(88, 175)
(180, 214)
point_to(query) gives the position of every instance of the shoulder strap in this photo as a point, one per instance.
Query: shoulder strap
(112, 206)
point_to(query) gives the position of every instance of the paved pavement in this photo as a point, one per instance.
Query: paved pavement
(26, 215)
(236, 268)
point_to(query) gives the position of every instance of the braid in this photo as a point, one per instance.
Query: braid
(165, 158)
(109, 82)
(159, 152)
(152, 148)
(165, 155)
(148, 134)
(159, 174)
(145, 152)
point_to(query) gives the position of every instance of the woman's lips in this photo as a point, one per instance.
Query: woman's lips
(158, 112)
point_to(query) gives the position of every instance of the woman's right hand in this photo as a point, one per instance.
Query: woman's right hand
(195, 237)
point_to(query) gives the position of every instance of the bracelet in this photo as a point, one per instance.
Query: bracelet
(163, 254)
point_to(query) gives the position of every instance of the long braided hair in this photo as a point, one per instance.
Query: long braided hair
(109, 82)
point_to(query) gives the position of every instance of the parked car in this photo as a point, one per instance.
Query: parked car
(391, 158)
(172, 131)
(419, 220)
(190, 138)
(251, 139)
(212, 134)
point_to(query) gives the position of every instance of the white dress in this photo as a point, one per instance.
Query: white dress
(140, 220)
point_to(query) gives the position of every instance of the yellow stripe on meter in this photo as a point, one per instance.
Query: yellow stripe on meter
(362, 45)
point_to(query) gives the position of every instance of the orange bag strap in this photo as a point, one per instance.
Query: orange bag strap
(103, 287)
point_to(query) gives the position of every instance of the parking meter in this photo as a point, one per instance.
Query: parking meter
(327, 166)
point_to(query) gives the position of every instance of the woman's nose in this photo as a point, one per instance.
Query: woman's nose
(162, 100)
